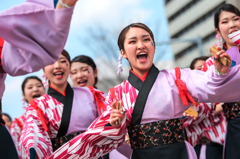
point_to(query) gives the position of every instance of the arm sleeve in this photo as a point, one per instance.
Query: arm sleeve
(210, 87)
(34, 136)
(35, 34)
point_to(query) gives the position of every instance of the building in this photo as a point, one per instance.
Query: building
(189, 19)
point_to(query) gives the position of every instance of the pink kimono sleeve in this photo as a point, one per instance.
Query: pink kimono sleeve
(35, 34)
(34, 136)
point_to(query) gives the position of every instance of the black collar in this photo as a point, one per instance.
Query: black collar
(67, 101)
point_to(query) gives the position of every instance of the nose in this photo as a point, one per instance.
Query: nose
(232, 24)
(35, 88)
(57, 65)
(140, 45)
(80, 74)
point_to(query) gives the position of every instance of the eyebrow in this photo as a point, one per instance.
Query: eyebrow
(80, 68)
(62, 58)
(136, 37)
(232, 17)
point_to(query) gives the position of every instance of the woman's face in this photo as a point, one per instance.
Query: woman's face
(82, 74)
(7, 121)
(228, 23)
(58, 72)
(33, 89)
(198, 65)
(139, 50)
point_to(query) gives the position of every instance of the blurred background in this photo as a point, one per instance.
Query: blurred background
(183, 30)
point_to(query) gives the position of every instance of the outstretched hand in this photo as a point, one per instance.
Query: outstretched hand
(69, 3)
(218, 65)
(116, 114)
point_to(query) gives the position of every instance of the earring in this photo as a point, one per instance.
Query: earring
(119, 65)
(44, 82)
(23, 103)
(219, 40)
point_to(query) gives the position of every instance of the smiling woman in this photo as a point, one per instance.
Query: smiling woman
(32, 88)
(227, 21)
(61, 114)
(84, 72)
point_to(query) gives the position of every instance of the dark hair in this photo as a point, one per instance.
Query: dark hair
(123, 33)
(66, 54)
(87, 60)
(225, 7)
(204, 58)
(29, 78)
(7, 116)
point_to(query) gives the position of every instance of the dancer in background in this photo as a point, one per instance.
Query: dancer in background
(84, 73)
(207, 132)
(7, 119)
(30, 45)
(61, 114)
(227, 21)
(153, 102)
(32, 88)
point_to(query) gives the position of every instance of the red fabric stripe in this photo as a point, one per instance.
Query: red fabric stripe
(98, 96)
(19, 123)
(182, 89)
(41, 116)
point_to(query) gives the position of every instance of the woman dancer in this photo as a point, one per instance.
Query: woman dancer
(83, 74)
(28, 41)
(153, 102)
(32, 88)
(61, 114)
(227, 21)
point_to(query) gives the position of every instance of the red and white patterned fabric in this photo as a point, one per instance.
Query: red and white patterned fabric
(100, 137)
(16, 131)
(33, 134)
(207, 124)
(207, 64)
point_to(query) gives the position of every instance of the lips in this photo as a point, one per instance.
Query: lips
(142, 56)
(36, 96)
(232, 31)
(82, 83)
(58, 74)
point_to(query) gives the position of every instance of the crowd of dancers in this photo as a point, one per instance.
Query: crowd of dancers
(144, 117)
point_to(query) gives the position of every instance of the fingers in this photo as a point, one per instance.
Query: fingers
(219, 54)
(114, 105)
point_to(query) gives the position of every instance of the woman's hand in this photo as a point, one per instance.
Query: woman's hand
(194, 108)
(218, 65)
(116, 114)
(218, 109)
(69, 3)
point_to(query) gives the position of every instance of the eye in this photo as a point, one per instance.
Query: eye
(131, 42)
(29, 87)
(236, 19)
(147, 39)
(85, 70)
(223, 22)
(73, 73)
(63, 61)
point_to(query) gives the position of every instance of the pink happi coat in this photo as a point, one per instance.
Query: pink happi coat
(16, 131)
(84, 111)
(163, 103)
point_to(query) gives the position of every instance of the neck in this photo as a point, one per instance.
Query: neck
(140, 72)
(60, 88)
(229, 46)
